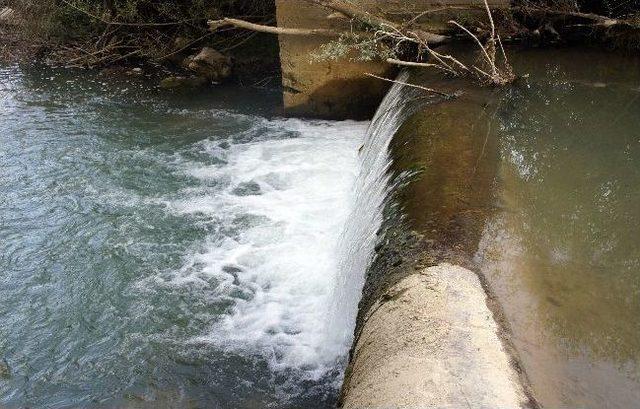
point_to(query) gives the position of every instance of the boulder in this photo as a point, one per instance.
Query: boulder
(210, 64)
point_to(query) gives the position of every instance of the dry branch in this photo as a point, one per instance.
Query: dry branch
(381, 30)
(358, 14)
(216, 24)
(429, 90)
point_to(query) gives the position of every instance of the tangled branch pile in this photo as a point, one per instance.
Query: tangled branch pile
(402, 43)
(405, 42)
(93, 33)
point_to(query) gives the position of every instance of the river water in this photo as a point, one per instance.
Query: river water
(162, 249)
(195, 250)
(563, 252)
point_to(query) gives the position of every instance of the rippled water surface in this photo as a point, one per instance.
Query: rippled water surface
(166, 249)
(563, 253)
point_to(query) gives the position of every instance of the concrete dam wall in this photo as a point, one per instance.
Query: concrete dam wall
(428, 334)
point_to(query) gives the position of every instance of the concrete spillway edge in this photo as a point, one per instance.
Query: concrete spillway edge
(431, 341)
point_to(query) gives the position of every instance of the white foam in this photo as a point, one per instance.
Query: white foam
(275, 255)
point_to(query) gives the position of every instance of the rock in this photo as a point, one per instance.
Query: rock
(135, 71)
(210, 64)
(175, 82)
(9, 17)
(247, 189)
(181, 42)
(5, 371)
(187, 61)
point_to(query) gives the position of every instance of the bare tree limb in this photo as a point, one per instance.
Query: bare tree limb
(429, 90)
(358, 14)
(216, 24)
(395, 61)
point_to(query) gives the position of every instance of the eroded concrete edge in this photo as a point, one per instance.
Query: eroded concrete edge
(429, 332)
(431, 341)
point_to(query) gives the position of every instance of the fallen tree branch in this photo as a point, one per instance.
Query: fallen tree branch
(597, 19)
(484, 51)
(402, 63)
(370, 19)
(430, 90)
(395, 61)
(216, 24)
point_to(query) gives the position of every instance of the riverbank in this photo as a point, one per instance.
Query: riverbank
(182, 63)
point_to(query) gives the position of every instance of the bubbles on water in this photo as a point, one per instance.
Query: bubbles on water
(280, 200)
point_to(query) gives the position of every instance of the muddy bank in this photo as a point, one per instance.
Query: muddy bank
(427, 333)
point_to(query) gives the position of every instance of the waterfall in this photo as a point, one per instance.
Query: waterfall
(371, 189)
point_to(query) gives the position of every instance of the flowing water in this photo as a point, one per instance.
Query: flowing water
(170, 250)
(175, 250)
(563, 253)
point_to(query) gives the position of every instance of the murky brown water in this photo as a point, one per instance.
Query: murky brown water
(563, 252)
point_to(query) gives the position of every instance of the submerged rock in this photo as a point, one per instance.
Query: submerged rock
(174, 82)
(210, 64)
(247, 189)
(9, 17)
(135, 71)
(5, 371)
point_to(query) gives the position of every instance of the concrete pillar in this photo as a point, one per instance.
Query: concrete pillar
(339, 89)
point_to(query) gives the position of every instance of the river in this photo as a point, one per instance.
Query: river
(168, 249)
(197, 250)
(562, 252)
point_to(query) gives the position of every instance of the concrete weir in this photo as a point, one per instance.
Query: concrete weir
(428, 333)
(431, 341)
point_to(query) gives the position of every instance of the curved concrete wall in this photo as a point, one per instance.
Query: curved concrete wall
(428, 334)
(432, 342)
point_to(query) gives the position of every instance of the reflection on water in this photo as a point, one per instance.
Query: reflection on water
(563, 254)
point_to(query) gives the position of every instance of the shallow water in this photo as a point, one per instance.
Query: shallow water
(563, 251)
(161, 249)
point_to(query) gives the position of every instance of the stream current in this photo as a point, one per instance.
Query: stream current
(162, 249)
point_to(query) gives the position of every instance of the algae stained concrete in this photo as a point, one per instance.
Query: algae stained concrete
(428, 333)
(432, 342)
(334, 89)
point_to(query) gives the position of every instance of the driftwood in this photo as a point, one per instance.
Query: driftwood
(406, 84)
(356, 13)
